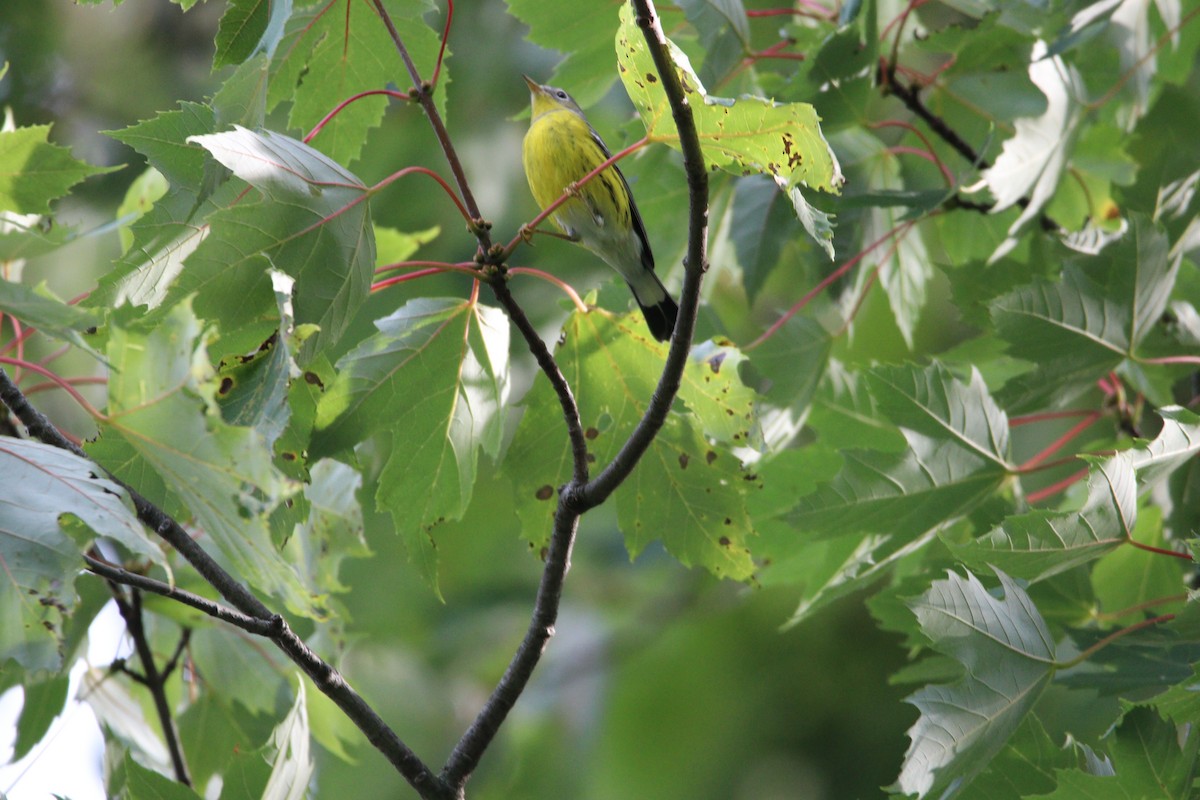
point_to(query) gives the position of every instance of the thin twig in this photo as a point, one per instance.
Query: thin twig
(154, 680)
(115, 574)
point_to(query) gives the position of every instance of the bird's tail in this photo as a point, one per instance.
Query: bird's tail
(657, 306)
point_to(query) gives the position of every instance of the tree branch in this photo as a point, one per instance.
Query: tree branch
(115, 574)
(549, 367)
(696, 263)
(424, 96)
(577, 497)
(327, 679)
(154, 681)
(479, 735)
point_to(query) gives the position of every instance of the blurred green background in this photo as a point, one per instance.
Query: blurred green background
(661, 682)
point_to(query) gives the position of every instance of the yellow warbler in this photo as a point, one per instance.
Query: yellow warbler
(560, 149)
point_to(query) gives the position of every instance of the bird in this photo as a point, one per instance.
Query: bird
(560, 148)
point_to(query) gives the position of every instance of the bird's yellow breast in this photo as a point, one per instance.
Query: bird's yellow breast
(559, 150)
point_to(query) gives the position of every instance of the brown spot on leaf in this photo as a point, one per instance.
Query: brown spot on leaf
(226, 386)
(313, 379)
(650, 76)
(544, 492)
(287, 455)
(591, 433)
(716, 361)
(724, 541)
(710, 457)
(683, 460)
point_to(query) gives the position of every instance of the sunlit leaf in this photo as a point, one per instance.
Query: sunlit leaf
(1033, 160)
(34, 172)
(288, 753)
(312, 223)
(686, 492)
(741, 136)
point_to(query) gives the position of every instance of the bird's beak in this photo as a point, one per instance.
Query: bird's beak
(533, 85)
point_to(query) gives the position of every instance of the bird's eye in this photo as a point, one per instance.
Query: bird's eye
(561, 94)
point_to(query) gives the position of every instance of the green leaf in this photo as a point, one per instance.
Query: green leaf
(931, 401)
(313, 223)
(724, 34)
(434, 378)
(582, 31)
(957, 457)
(1025, 765)
(249, 676)
(1009, 656)
(1126, 578)
(713, 391)
(903, 264)
(242, 26)
(1176, 445)
(1181, 703)
(787, 369)
(762, 224)
(163, 141)
(40, 309)
(146, 190)
(332, 531)
(686, 491)
(1072, 329)
(933, 483)
(1086, 324)
(393, 246)
(213, 729)
(146, 784)
(253, 391)
(740, 136)
(162, 420)
(44, 701)
(1039, 544)
(33, 172)
(44, 487)
(326, 58)
(844, 414)
(1149, 759)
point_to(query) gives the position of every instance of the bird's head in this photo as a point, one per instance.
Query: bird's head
(546, 99)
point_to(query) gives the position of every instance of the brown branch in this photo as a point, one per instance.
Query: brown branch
(153, 679)
(598, 490)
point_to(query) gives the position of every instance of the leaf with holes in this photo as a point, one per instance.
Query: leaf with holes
(741, 136)
(687, 491)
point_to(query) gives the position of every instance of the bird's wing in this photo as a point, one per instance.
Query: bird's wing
(638, 226)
